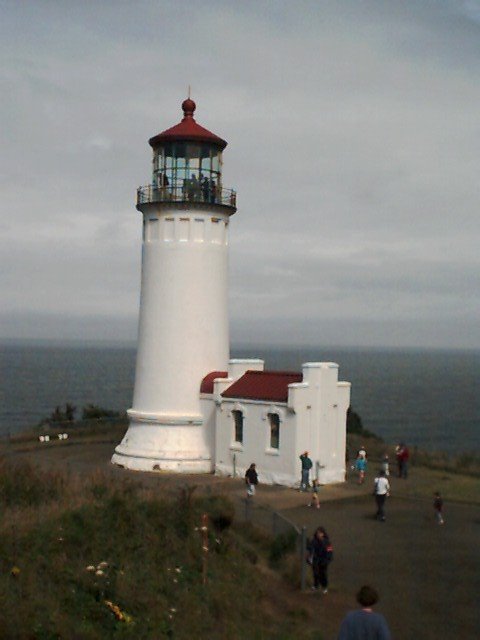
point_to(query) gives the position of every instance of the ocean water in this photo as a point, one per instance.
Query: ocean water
(426, 398)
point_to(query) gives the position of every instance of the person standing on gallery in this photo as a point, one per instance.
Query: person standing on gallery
(306, 466)
(251, 480)
(364, 623)
(381, 491)
(320, 552)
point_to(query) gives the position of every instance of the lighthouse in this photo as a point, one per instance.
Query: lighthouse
(183, 323)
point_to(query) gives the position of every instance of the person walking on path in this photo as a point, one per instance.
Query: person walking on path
(386, 464)
(438, 507)
(381, 490)
(320, 554)
(361, 468)
(364, 623)
(251, 480)
(306, 466)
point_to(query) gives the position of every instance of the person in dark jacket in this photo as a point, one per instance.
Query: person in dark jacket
(364, 623)
(306, 466)
(251, 480)
(320, 553)
(438, 507)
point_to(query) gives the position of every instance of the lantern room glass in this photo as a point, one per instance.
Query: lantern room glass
(188, 171)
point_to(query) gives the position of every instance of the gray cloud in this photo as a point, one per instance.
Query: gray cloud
(353, 133)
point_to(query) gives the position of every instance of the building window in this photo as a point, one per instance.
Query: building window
(238, 422)
(274, 421)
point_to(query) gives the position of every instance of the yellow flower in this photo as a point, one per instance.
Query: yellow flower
(118, 613)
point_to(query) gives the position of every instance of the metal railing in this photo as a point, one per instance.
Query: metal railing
(150, 193)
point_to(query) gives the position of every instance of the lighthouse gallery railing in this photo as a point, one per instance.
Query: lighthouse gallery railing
(151, 193)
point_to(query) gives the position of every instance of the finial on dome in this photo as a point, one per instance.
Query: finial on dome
(188, 107)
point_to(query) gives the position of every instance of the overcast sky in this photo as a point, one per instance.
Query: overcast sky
(354, 138)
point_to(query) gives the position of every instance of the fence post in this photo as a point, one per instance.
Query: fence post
(303, 564)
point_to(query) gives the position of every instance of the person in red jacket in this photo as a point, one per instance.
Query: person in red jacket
(403, 454)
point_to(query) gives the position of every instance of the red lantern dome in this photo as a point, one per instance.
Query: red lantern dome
(187, 130)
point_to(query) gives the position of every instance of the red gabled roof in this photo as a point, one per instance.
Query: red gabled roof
(187, 129)
(207, 383)
(263, 385)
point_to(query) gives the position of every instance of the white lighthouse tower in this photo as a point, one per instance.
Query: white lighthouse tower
(183, 326)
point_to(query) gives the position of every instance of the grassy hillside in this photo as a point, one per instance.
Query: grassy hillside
(91, 558)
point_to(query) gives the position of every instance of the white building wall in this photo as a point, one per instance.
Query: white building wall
(313, 420)
(274, 466)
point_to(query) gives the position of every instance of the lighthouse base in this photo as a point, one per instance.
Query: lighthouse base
(171, 443)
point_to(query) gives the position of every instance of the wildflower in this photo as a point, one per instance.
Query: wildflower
(175, 580)
(90, 568)
(115, 609)
(178, 570)
(173, 610)
(15, 571)
(102, 565)
(99, 572)
(41, 438)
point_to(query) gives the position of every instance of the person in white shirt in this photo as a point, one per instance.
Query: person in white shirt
(381, 491)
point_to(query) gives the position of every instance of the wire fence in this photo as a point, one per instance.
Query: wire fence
(276, 524)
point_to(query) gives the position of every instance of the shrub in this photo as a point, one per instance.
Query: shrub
(220, 511)
(282, 545)
(355, 425)
(94, 412)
